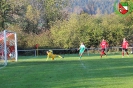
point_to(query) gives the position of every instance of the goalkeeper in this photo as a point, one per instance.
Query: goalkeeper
(51, 55)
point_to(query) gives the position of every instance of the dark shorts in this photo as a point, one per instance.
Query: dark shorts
(124, 49)
(103, 49)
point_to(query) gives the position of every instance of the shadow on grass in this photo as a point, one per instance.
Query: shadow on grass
(69, 71)
(90, 67)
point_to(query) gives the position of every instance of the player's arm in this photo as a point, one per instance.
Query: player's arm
(78, 48)
(107, 45)
(84, 48)
(100, 44)
(47, 55)
(127, 45)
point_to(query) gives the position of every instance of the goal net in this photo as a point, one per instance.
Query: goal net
(8, 47)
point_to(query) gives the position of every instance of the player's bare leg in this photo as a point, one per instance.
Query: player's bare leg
(59, 56)
(127, 53)
(80, 55)
(105, 54)
(102, 53)
(122, 53)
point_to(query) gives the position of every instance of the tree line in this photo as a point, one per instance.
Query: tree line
(49, 24)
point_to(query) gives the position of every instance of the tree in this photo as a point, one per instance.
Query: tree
(53, 10)
(4, 14)
(32, 16)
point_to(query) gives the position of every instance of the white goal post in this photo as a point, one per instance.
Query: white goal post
(8, 47)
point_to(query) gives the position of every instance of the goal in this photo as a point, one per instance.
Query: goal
(8, 47)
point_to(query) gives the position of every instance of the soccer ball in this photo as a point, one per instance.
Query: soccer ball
(10, 54)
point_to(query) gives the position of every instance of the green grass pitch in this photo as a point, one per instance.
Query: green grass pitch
(89, 72)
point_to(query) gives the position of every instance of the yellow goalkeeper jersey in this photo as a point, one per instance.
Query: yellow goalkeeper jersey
(50, 55)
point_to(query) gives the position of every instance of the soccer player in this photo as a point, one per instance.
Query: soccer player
(81, 50)
(125, 47)
(51, 55)
(103, 46)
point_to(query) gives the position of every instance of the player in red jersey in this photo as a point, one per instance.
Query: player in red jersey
(103, 46)
(125, 47)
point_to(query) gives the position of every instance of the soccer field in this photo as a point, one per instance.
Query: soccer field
(70, 72)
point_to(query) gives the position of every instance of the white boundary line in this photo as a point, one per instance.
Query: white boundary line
(2, 67)
(82, 64)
